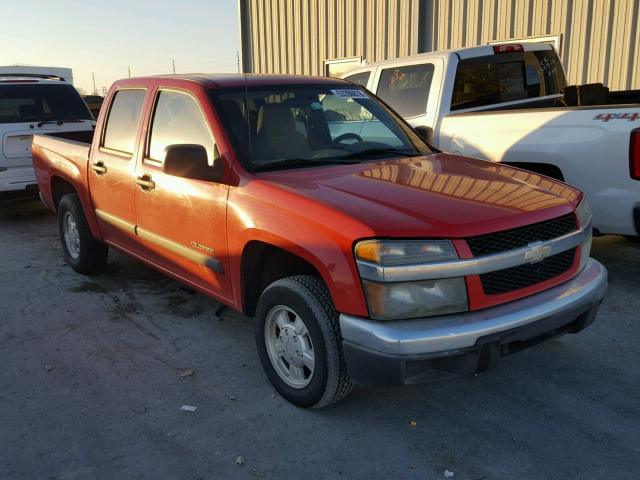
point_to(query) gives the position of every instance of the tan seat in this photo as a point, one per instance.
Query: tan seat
(277, 136)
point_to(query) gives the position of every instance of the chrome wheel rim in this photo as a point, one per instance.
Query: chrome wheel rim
(289, 346)
(71, 235)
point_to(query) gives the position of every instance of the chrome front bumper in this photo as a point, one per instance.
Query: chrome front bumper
(538, 316)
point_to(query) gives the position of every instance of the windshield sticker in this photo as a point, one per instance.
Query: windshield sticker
(605, 117)
(349, 93)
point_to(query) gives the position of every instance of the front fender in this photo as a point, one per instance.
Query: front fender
(326, 249)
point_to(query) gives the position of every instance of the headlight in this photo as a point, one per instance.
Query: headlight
(391, 301)
(583, 213)
(410, 299)
(409, 252)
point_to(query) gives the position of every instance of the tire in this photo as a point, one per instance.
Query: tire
(80, 249)
(305, 298)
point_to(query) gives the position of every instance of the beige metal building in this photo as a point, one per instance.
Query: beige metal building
(597, 40)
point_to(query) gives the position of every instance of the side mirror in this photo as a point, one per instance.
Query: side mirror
(426, 133)
(191, 161)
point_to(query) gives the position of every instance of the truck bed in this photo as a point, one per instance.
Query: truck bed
(58, 158)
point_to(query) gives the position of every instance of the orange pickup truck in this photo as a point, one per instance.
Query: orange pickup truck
(365, 255)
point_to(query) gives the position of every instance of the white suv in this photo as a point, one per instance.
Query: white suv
(28, 106)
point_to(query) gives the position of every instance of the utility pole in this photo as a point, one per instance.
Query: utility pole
(129, 70)
(238, 59)
(173, 62)
(95, 91)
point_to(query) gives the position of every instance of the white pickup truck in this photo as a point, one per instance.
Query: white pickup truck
(34, 103)
(511, 104)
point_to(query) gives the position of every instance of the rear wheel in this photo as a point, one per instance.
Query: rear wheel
(299, 342)
(81, 250)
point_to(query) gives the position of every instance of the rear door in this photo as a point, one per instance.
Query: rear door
(112, 167)
(181, 221)
(33, 107)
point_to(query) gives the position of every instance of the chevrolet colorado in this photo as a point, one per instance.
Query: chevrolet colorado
(366, 258)
(511, 104)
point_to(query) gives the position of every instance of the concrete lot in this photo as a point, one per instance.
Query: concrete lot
(92, 379)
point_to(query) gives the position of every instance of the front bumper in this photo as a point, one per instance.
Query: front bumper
(410, 351)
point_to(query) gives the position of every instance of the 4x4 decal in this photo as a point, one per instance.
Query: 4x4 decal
(605, 117)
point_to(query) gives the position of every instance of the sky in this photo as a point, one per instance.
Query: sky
(105, 37)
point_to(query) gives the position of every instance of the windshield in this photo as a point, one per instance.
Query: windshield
(38, 102)
(299, 126)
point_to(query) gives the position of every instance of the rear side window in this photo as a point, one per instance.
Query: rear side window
(506, 77)
(359, 78)
(38, 102)
(178, 120)
(122, 122)
(406, 89)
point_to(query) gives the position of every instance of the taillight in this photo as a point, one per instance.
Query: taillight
(634, 154)
(514, 47)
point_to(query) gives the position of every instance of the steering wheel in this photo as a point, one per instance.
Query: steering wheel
(346, 136)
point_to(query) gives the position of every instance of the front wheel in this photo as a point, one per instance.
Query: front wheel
(81, 250)
(299, 342)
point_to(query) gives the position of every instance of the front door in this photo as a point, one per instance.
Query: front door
(113, 166)
(181, 221)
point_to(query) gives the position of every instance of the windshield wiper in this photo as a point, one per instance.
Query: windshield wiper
(374, 151)
(301, 162)
(58, 122)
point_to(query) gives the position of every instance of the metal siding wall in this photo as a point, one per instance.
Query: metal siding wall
(599, 37)
(296, 36)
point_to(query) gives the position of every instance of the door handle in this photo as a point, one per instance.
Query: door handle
(99, 168)
(145, 182)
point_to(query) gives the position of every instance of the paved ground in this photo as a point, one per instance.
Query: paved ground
(91, 386)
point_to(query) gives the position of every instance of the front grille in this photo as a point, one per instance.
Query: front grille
(521, 276)
(523, 236)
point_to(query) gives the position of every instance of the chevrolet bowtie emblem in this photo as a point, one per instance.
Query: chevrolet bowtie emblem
(537, 252)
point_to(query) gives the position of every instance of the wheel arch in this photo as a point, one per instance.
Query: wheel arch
(263, 263)
(546, 169)
(61, 186)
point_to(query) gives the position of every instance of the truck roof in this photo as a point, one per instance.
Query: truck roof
(230, 80)
(463, 53)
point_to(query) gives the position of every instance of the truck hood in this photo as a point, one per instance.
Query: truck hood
(439, 195)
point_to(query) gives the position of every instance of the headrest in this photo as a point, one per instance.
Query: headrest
(233, 113)
(275, 120)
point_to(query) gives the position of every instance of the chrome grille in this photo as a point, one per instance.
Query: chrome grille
(528, 274)
(523, 236)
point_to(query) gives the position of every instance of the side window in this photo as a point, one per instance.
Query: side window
(406, 89)
(177, 119)
(359, 78)
(506, 77)
(122, 122)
